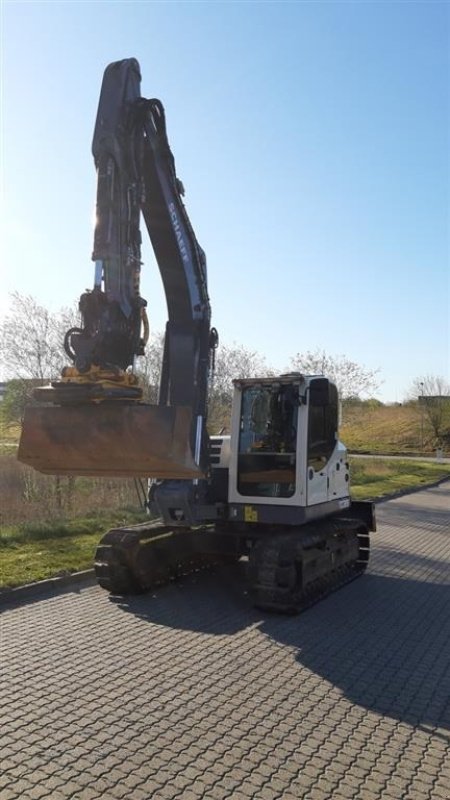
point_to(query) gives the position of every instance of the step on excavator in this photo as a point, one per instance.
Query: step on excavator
(276, 490)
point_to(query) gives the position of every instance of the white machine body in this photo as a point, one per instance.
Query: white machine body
(284, 447)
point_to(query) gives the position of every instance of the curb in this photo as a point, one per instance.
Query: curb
(404, 492)
(429, 455)
(33, 590)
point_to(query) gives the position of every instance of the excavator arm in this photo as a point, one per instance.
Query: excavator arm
(112, 313)
(189, 339)
(99, 394)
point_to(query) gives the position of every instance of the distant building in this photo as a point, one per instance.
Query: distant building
(426, 399)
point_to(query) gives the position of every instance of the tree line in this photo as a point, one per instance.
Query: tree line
(31, 352)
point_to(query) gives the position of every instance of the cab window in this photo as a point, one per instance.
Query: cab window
(268, 441)
(322, 422)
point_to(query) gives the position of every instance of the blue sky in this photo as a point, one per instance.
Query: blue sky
(312, 139)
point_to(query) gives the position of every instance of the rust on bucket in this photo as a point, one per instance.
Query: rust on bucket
(114, 439)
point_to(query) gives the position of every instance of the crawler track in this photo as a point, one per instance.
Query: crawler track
(288, 572)
(141, 557)
(291, 572)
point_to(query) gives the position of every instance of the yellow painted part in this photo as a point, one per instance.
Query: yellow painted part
(98, 375)
(250, 514)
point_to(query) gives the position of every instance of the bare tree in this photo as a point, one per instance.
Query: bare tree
(352, 379)
(31, 350)
(232, 361)
(31, 339)
(236, 361)
(149, 366)
(433, 395)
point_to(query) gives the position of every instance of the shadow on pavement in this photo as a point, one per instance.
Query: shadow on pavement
(213, 601)
(414, 515)
(383, 640)
(385, 643)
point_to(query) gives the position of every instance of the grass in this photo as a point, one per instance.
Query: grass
(372, 478)
(9, 431)
(35, 561)
(9, 437)
(399, 430)
(34, 551)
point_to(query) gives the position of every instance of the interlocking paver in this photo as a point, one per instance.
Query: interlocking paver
(191, 693)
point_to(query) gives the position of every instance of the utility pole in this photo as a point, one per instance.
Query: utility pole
(421, 415)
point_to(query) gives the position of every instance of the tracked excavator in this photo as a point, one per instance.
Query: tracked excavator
(276, 490)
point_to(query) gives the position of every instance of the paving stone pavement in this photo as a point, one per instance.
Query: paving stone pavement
(190, 693)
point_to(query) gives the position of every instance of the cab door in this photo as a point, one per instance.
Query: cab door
(322, 438)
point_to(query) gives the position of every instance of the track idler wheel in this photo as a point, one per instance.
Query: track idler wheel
(111, 574)
(113, 564)
(274, 575)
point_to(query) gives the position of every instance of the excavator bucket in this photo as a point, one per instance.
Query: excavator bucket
(115, 439)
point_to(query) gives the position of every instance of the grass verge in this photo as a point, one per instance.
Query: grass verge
(33, 551)
(372, 478)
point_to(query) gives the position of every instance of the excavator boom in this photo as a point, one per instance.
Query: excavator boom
(93, 421)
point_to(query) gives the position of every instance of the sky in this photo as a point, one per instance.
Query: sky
(312, 139)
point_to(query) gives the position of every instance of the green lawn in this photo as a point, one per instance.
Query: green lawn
(34, 561)
(32, 552)
(372, 478)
